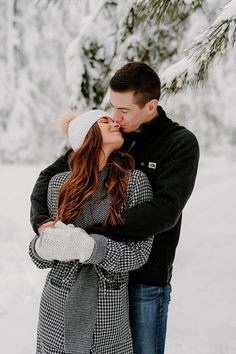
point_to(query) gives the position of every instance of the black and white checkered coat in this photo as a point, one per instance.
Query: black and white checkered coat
(111, 333)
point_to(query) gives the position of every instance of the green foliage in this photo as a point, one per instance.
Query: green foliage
(164, 11)
(149, 31)
(218, 38)
(212, 43)
(162, 25)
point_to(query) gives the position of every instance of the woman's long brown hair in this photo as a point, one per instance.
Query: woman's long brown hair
(84, 179)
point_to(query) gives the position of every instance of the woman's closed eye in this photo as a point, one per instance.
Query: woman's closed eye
(105, 120)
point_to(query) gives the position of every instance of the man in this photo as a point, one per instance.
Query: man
(168, 153)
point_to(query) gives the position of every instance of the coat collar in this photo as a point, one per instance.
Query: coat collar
(157, 126)
(154, 128)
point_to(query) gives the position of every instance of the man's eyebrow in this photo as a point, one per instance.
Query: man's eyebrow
(125, 108)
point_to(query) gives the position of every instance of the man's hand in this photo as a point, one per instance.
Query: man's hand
(46, 224)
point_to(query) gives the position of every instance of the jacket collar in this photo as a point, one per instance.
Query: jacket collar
(157, 126)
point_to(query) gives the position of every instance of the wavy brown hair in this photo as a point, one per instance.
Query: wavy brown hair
(84, 179)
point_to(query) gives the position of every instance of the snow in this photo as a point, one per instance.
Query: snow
(89, 54)
(57, 56)
(202, 310)
(179, 70)
(228, 12)
(33, 90)
(201, 315)
(186, 69)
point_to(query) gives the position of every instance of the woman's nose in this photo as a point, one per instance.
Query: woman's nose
(116, 124)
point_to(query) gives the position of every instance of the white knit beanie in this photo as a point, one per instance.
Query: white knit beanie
(80, 125)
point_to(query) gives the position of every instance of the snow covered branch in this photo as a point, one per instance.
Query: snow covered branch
(212, 43)
(164, 10)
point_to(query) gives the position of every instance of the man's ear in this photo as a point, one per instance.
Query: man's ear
(152, 105)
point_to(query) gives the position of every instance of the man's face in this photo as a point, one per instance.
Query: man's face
(127, 113)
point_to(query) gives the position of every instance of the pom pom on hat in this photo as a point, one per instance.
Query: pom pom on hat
(64, 120)
(78, 126)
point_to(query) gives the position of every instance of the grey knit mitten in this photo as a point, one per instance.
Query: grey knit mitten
(64, 242)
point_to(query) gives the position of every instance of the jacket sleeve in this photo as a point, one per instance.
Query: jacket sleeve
(127, 256)
(173, 186)
(51, 205)
(39, 209)
(38, 261)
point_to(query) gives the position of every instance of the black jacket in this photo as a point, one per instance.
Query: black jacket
(168, 154)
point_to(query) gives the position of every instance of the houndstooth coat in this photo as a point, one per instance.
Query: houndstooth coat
(111, 261)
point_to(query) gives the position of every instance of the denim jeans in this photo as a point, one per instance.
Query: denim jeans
(148, 317)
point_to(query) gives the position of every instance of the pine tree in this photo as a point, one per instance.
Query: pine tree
(117, 32)
(7, 63)
(32, 87)
(100, 36)
(150, 31)
(219, 38)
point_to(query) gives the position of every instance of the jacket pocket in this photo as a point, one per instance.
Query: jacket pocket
(51, 315)
(63, 274)
(112, 324)
(111, 280)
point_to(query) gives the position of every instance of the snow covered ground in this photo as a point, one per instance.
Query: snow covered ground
(202, 312)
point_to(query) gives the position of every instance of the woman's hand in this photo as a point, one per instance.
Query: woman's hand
(63, 243)
(46, 224)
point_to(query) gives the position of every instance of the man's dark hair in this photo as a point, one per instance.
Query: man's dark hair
(139, 78)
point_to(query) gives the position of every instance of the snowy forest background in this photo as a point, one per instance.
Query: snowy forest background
(58, 53)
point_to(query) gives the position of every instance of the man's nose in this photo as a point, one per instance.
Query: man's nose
(117, 116)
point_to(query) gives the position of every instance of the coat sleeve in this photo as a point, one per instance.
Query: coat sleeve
(51, 201)
(173, 186)
(127, 256)
(39, 209)
(38, 261)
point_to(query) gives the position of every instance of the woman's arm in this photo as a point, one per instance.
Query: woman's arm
(37, 260)
(39, 210)
(68, 243)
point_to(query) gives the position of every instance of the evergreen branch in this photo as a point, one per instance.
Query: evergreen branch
(212, 43)
(165, 10)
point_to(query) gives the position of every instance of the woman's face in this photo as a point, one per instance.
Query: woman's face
(111, 134)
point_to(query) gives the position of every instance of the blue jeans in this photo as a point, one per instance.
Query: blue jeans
(148, 317)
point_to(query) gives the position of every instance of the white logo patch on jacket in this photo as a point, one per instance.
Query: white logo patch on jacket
(152, 165)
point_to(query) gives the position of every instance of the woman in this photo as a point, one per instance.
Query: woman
(84, 306)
